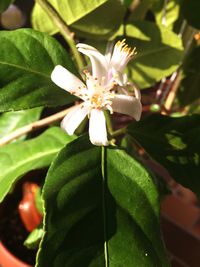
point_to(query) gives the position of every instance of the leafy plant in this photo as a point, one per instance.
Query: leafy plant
(101, 201)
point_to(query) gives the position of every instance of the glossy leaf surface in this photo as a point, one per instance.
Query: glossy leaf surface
(27, 58)
(19, 158)
(101, 209)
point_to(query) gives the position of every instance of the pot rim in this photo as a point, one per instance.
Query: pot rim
(7, 259)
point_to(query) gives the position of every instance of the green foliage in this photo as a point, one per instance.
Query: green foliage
(190, 86)
(19, 158)
(11, 121)
(166, 12)
(4, 4)
(102, 211)
(174, 143)
(139, 10)
(190, 11)
(27, 58)
(87, 18)
(33, 239)
(159, 52)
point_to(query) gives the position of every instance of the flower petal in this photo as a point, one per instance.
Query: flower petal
(98, 61)
(73, 119)
(66, 80)
(128, 105)
(97, 128)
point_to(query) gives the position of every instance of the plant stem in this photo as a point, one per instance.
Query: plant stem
(34, 126)
(63, 29)
(118, 132)
(104, 186)
(108, 122)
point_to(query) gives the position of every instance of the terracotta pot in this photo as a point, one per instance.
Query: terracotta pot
(8, 260)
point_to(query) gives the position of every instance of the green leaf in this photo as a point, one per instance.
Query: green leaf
(159, 52)
(11, 121)
(27, 58)
(174, 143)
(190, 11)
(87, 18)
(99, 24)
(33, 239)
(19, 158)
(189, 90)
(69, 10)
(4, 4)
(166, 13)
(103, 211)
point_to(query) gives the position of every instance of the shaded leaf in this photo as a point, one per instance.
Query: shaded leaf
(174, 143)
(139, 10)
(102, 211)
(189, 90)
(19, 158)
(27, 58)
(190, 11)
(4, 4)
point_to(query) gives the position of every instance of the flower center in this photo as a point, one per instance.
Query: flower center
(97, 100)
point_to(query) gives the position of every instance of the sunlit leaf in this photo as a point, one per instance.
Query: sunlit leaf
(159, 52)
(19, 158)
(86, 18)
(166, 12)
(27, 58)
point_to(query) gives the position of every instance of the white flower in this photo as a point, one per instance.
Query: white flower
(98, 94)
(112, 65)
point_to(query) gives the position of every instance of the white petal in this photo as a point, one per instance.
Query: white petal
(73, 119)
(97, 128)
(98, 61)
(66, 80)
(128, 105)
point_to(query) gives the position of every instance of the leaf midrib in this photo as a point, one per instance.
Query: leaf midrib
(154, 51)
(24, 69)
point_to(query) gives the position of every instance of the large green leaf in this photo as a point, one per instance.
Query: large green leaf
(19, 158)
(189, 90)
(190, 11)
(69, 10)
(174, 143)
(103, 211)
(11, 121)
(159, 52)
(27, 58)
(4, 4)
(87, 18)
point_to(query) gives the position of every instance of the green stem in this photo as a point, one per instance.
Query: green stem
(118, 132)
(103, 159)
(63, 29)
(108, 122)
